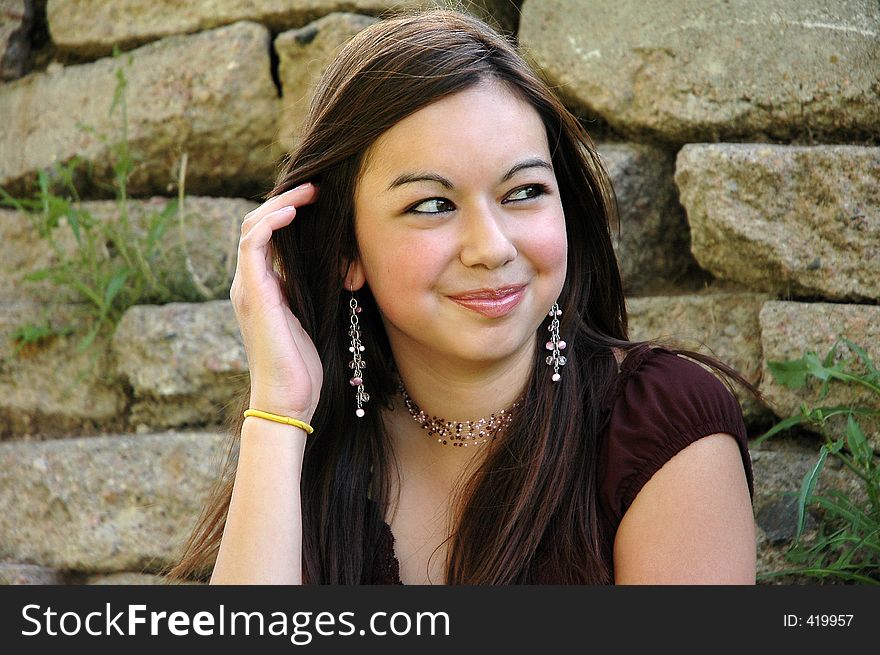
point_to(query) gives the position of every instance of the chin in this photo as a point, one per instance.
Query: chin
(491, 351)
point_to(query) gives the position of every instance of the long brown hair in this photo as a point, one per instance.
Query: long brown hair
(532, 502)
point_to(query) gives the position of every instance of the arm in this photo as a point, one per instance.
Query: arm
(262, 539)
(692, 522)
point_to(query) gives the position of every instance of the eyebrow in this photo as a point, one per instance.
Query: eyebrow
(408, 178)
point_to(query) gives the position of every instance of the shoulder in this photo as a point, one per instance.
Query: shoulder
(661, 403)
(691, 523)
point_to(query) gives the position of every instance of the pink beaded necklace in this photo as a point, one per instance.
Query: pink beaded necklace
(460, 433)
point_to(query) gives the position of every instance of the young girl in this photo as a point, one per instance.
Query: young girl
(435, 326)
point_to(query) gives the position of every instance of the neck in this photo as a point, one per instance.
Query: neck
(458, 394)
(469, 393)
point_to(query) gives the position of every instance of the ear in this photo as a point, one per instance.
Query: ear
(354, 277)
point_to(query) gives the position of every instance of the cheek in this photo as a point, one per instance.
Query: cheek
(546, 245)
(393, 277)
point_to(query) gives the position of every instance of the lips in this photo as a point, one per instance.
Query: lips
(491, 303)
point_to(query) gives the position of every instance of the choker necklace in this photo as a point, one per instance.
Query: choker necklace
(459, 433)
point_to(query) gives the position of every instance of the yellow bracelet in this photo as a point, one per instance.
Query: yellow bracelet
(279, 419)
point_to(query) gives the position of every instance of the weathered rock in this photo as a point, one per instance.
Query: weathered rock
(16, 19)
(211, 231)
(707, 71)
(185, 362)
(16, 573)
(654, 245)
(790, 329)
(22, 252)
(778, 520)
(51, 388)
(779, 465)
(93, 27)
(786, 219)
(723, 325)
(303, 56)
(104, 504)
(131, 578)
(219, 108)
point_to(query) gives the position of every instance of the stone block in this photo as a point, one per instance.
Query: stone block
(694, 70)
(185, 362)
(303, 56)
(786, 219)
(791, 329)
(209, 95)
(92, 27)
(17, 573)
(53, 388)
(104, 504)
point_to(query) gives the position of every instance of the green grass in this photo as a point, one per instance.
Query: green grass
(846, 545)
(115, 263)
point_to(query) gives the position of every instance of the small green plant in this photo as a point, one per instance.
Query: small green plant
(846, 545)
(116, 263)
(30, 335)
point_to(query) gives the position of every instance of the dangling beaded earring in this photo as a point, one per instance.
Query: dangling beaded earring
(555, 358)
(357, 363)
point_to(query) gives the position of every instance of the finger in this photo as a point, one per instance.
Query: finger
(277, 220)
(254, 249)
(298, 197)
(270, 260)
(304, 194)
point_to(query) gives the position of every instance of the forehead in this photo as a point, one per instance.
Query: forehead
(489, 124)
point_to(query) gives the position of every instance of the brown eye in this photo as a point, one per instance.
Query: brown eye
(432, 206)
(527, 192)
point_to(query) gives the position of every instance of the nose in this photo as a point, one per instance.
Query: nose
(485, 240)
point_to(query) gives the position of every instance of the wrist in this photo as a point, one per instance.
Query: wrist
(274, 406)
(278, 418)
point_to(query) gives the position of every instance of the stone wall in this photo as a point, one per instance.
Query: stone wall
(741, 139)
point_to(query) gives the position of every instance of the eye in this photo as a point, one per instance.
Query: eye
(527, 192)
(431, 206)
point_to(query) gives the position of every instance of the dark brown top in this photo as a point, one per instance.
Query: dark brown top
(659, 404)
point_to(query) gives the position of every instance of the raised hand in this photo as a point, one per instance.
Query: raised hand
(286, 373)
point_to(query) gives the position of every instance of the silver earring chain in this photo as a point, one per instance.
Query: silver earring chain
(357, 363)
(556, 344)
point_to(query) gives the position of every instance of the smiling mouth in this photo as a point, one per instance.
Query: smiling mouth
(491, 303)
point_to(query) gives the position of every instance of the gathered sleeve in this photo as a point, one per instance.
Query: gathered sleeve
(662, 403)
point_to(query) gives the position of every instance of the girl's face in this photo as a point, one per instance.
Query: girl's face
(461, 230)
